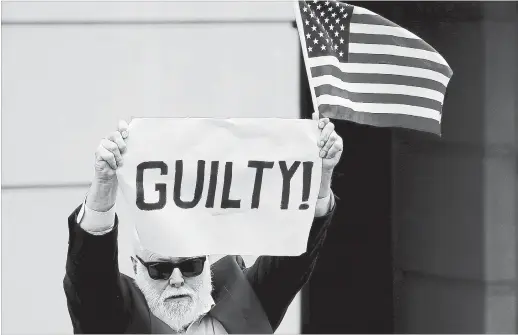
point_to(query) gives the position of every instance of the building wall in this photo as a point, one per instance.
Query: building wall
(71, 70)
(455, 198)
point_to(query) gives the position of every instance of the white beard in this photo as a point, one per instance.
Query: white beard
(178, 314)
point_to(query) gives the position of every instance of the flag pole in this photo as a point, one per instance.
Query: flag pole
(298, 19)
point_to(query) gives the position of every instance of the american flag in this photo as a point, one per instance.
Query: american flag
(365, 69)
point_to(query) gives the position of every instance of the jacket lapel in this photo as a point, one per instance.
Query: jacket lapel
(237, 307)
(159, 327)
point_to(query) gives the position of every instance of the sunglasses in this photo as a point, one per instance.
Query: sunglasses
(191, 267)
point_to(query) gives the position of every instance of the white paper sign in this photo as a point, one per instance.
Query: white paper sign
(221, 186)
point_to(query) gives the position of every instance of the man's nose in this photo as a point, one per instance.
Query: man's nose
(176, 278)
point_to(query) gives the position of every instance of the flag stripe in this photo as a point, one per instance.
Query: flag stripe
(376, 108)
(361, 67)
(377, 88)
(380, 30)
(408, 62)
(362, 11)
(371, 19)
(380, 119)
(375, 78)
(380, 49)
(378, 98)
(393, 40)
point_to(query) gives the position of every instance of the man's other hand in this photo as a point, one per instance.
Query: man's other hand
(331, 147)
(330, 144)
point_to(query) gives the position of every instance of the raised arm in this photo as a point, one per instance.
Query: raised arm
(92, 282)
(277, 280)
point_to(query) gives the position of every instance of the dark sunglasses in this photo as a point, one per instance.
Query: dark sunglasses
(191, 267)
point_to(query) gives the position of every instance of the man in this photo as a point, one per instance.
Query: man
(180, 295)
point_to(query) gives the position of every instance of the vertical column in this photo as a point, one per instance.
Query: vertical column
(455, 198)
(500, 29)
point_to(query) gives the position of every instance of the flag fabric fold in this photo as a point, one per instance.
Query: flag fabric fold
(366, 69)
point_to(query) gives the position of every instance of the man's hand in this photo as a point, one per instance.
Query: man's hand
(331, 147)
(108, 158)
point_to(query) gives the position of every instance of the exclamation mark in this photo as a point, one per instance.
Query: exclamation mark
(306, 183)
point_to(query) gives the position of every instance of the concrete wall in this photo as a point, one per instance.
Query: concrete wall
(70, 70)
(455, 198)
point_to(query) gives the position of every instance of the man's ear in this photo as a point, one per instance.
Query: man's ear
(134, 261)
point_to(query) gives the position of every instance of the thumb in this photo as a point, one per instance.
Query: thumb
(314, 116)
(123, 128)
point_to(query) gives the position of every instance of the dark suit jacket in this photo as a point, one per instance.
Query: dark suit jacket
(248, 300)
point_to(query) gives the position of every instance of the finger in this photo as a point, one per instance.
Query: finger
(114, 149)
(107, 156)
(332, 139)
(335, 149)
(314, 116)
(325, 133)
(323, 122)
(102, 165)
(116, 137)
(123, 128)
